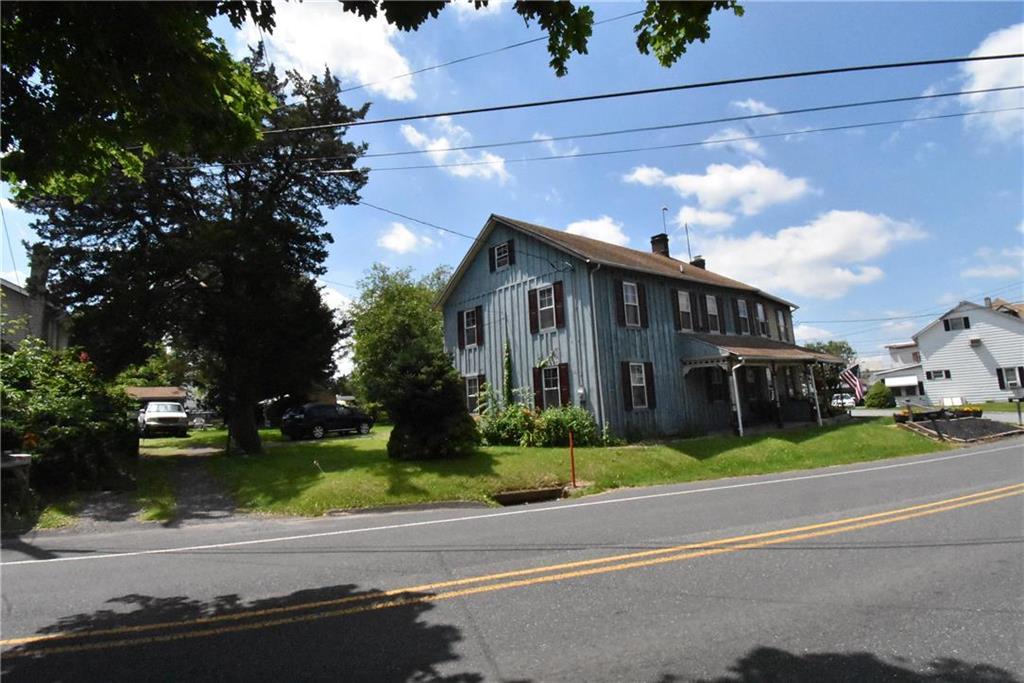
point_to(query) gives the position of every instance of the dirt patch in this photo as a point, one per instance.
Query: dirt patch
(180, 451)
(964, 429)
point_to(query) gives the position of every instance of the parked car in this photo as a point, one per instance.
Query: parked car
(316, 420)
(163, 418)
(843, 401)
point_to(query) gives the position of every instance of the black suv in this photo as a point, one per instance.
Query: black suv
(317, 419)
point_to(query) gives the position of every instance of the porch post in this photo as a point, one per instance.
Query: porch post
(778, 396)
(736, 398)
(814, 393)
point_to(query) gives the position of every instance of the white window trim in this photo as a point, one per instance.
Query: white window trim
(744, 314)
(956, 320)
(683, 304)
(626, 305)
(711, 302)
(544, 388)
(632, 385)
(466, 326)
(941, 375)
(497, 264)
(476, 380)
(1011, 378)
(540, 309)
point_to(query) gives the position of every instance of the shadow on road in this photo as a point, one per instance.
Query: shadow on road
(771, 665)
(297, 637)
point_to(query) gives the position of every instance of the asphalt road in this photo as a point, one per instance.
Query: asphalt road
(899, 570)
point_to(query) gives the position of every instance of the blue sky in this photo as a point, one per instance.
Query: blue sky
(886, 221)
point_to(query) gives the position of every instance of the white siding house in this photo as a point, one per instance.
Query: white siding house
(972, 352)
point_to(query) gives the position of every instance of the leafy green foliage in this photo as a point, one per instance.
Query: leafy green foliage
(513, 425)
(554, 425)
(56, 407)
(162, 369)
(518, 424)
(826, 376)
(667, 28)
(879, 396)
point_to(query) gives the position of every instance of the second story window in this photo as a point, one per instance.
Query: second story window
(502, 255)
(762, 320)
(780, 318)
(713, 320)
(916, 356)
(743, 327)
(470, 327)
(631, 303)
(954, 324)
(546, 308)
(685, 314)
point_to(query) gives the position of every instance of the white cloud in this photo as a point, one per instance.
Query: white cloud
(823, 259)
(810, 333)
(729, 138)
(715, 220)
(466, 9)
(752, 187)
(604, 228)
(553, 146)
(990, 271)
(753, 106)
(489, 166)
(989, 263)
(996, 73)
(309, 36)
(402, 240)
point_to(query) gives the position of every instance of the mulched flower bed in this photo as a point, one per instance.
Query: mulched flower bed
(964, 429)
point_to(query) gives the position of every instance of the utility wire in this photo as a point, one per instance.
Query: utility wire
(649, 91)
(10, 247)
(476, 56)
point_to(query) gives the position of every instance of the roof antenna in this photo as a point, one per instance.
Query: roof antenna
(686, 227)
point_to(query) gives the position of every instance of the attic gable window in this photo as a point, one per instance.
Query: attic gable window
(502, 255)
(954, 324)
(631, 303)
(744, 316)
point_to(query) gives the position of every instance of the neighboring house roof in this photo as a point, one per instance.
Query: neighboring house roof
(901, 345)
(1009, 307)
(156, 393)
(596, 251)
(761, 349)
(962, 306)
(889, 371)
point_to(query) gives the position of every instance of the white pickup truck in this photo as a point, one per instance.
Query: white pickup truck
(163, 418)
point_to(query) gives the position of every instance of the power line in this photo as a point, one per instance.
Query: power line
(10, 247)
(649, 91)
(460, 60)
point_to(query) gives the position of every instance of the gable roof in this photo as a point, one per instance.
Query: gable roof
(1009, 307)
(604, 253)
(962, 306)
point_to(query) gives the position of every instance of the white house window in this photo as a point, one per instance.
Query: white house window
(546, 308)
(501, 255)
(712, 313)
(631, 301)
(472, 394)
(762, 320)
(780, 317)
(469, 325)
(552, 390)
(685, 314)
(1012, 380)
(638, 384)
(938, 374)
(954, 324)
(741, 306)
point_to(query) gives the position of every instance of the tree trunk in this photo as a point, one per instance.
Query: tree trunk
(242, 427)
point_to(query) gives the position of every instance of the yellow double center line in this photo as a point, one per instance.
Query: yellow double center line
(323, 609)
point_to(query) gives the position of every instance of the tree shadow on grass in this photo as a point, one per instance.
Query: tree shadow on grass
(331, 633)
(771, 665)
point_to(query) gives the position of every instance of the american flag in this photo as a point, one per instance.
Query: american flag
(850, 376)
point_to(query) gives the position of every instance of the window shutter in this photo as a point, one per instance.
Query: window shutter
(490, 258)
(649, 381)
(1001, 378)
(538, 389)
(559, 295)
(945, 324)
(563, 384)
(531, 297)
(703, 301)
(676, 317)
(721, 314)
(949, 375)
(627, 390)
(755, 326)
(511, 252)
(1020, 375)
(920, 388)
(695, 311)
(480, 381)
(479, 325)
(967, 323)
(620, 304)
(641, 297)
(736, 316)
(461, 322)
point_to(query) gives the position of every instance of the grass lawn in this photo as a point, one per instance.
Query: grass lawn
(310, 478)
(996, 407)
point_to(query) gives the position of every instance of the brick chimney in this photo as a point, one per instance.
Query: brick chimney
(699, 262)
(988, 302)
(659, 244)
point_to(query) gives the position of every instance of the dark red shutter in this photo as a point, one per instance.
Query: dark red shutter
(531, 297)
(559, 296)
(627, 390)
(538, 389)
(479, 325)
(620, 304)
(563, 384)
(511, 252)
(945, 324)
(1001, 377)
(480, 381)
(967, 323)
(676, 317)
(641, 297)
(721, 314)
(694, 312)
(461, 322)
(649, 381)
(490, 258)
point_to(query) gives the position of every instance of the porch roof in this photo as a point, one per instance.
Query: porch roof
(757, 349)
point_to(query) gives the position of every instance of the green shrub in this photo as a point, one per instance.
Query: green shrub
(510, 426)
(554, 424)
(879, 396)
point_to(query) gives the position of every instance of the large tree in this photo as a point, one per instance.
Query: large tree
(93, 87)
(220, 259)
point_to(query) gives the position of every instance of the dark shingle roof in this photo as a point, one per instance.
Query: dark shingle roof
(630, 259)
(762, 347)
